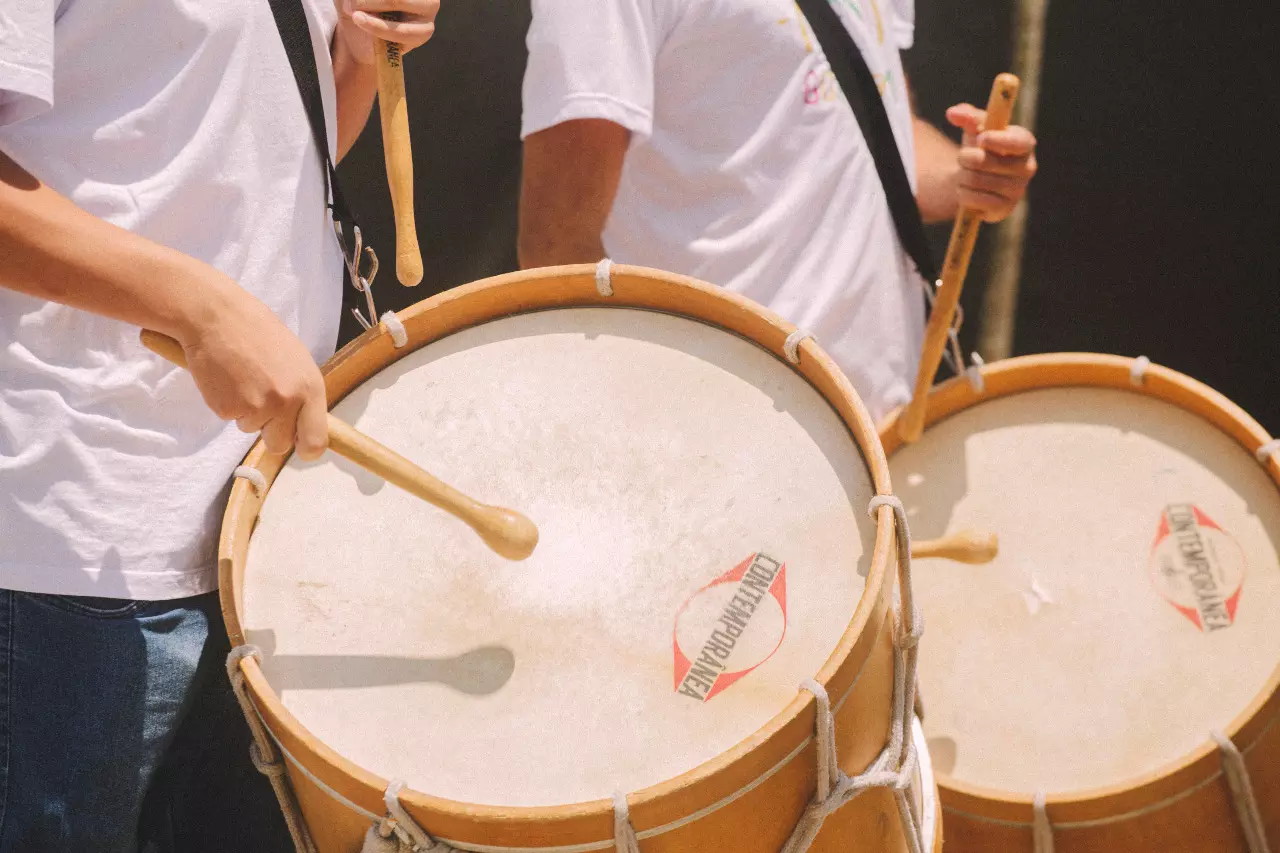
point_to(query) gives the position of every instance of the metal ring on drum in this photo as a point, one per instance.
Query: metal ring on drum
(1118, 660)
(705, 548)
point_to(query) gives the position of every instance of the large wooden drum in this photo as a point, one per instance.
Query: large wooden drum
(1109, 682)
(701, 479)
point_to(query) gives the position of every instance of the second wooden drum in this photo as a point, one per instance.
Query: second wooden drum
(1109, 682)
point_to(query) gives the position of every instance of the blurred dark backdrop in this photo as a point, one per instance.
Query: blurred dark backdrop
(1151, 220)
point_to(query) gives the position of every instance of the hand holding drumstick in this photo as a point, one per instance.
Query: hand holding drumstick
(381, 32)
(507, 532)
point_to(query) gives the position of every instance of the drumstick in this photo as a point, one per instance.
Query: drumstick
(959, 251)
(963, 546)
(399, 155)
(506, 531)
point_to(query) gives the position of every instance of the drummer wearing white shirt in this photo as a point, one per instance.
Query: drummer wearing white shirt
(709, 137)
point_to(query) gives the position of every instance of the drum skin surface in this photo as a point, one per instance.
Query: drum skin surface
(705, 546)
(1130, 612)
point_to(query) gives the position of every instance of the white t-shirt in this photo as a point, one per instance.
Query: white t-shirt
(746, 167)
(179, 120)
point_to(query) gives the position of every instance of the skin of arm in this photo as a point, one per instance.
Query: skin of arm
(570, 177)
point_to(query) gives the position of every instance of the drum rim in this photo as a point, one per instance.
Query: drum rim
(704, 786)
(1182, 776)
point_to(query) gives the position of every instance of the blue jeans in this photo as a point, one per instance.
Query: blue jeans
(119, 732)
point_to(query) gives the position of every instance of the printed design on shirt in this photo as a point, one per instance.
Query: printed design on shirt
(820, 85)
(730, 627)
(1197, 567)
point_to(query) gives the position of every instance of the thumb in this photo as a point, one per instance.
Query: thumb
(969, 119)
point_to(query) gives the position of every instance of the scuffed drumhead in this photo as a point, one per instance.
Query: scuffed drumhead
(1132, 608)
(704, 534)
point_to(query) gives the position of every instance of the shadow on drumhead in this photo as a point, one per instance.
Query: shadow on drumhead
(480, 672)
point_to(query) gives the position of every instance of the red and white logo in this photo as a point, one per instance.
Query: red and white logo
(729, 627)
(1197, 567)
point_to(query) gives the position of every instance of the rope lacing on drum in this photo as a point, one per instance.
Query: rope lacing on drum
(399, 335)
(266, 758)
(604, 277)
(1138, 370)
(398, 832)
(791, 346)
(1242, 797)
(895, 767)
(1267, 450)
(1041, 828)
(624, 834)
(254, 477)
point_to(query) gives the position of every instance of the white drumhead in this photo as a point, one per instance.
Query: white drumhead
(1132, 607)
(656, 455)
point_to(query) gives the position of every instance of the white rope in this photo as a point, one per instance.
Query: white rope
(263, 751)
(895, 767)
(399, 335)
(1237, 773)
(624, 834)
(1266, 451)
(791, 346)
(398, 832)
(604, 277)
(974, 373)
(1138, 369)
(1041, 828)
(255, 477)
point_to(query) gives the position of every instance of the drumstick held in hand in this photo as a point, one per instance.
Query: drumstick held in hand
(959, 251)
(963, 546)
(394, 112)
(506, 531)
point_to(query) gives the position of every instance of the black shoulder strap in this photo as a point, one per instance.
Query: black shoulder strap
(860, 90)
(291, 20)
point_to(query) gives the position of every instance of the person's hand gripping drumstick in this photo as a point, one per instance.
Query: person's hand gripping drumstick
(959, 251)
(382, 32)
(507, 532)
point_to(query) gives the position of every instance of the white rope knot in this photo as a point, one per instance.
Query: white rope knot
(1041, 828)
(399, 335)
(974, 373)
(604, 277)
(1138, 369)
(1267, 450)
(262, 751)
(255, 477)
(1242, 796)
(398, 832)
(624, 834)
(791, 346)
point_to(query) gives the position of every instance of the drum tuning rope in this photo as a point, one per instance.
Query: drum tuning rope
(1246, 804)
(604, 277)
(1138, 370)
(399, 335)
(1269, 449)
(255, 478)
(791, 346)
(1041, 828)
(895, 767)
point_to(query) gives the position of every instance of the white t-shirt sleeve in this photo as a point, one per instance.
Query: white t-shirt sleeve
(26, 58)
(904, 22)
(591, 59)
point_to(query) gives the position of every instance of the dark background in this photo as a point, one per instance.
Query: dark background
(1152, 217)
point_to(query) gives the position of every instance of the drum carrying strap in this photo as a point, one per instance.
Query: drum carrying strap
(862, 93)
(295, 34)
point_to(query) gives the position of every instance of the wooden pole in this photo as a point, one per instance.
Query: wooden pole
(1000, 298)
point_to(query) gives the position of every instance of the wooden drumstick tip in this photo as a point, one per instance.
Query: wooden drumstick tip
(507, 533)
(963, 546)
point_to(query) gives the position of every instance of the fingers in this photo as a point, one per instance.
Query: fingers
(414, 26)
(312, 435)
(279, 430)
(1013, 141)
(969, 119)
(979, 160)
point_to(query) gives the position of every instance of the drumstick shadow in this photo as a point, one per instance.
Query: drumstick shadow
(480, 672)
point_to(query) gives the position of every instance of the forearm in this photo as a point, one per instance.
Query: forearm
(937, 172)
(357, 87)
(53, 250)
(543, 245)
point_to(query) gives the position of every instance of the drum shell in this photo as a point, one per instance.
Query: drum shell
(1186, 806)
(771, 773)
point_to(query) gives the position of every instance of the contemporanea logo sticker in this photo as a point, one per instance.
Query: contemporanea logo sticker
(1197, 567)
(729, 627)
